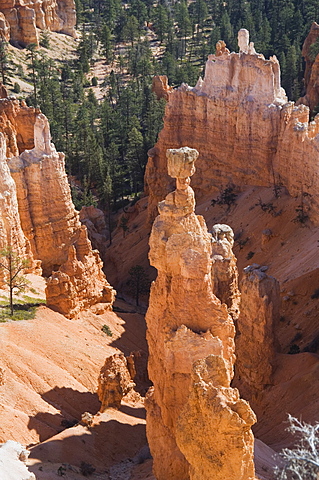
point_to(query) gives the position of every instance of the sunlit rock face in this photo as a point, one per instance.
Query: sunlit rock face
(197, 425)
(38, 218)
(19, 20)
(247, 133)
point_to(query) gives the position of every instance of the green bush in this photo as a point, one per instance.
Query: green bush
(106, 329)
(16, 88)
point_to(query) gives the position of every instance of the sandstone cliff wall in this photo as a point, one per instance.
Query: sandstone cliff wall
(239, 119)
(311, 98)
(191, 346)
(20, 20)
(39, 215)
(11, 233)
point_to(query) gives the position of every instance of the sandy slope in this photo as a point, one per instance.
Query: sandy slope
(51, 370)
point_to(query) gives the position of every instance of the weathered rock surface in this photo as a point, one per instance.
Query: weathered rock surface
(17, 124)
(20, 20)
(224, 268)
(47, 213)
(12, 462)
(214, 407)
(311, 77)
(38, 217)
(11, 233)
(188, 330)
(259, 312)
(240, 99)
(94, 220)
(80, 282)
(160, 86)
(4, 28)
(115, 382)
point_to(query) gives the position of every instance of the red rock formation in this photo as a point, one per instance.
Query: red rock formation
(311, 98)
(259, 310)
(4, 28)
(191, 347)
(80, 282)
(239, 119)
(21, 20)
(38, 216)
(114, 382)
(224, 268)
(11, 233)
(160, 87)
(94, 220)
(17, 124)
(47, 214)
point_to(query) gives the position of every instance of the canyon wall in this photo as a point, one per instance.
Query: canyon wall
(197, 425)
(239, 119)
(310, 53)
(20, 20)
(43, 210)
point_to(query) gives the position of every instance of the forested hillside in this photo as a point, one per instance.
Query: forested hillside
(106, 139)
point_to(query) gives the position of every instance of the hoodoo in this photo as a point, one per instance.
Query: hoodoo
(191, 346)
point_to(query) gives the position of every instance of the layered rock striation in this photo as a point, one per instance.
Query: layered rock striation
(38, 216)
(239, 118)
(197, 425)
(19, 20)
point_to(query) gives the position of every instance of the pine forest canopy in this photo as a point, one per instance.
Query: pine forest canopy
(106, 141)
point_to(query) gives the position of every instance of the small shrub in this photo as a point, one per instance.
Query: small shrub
(123, 225)
(250, 255)
(277, 189)
(45, 39)
(61, 471)
(227, 197)
(20, 71)
(301, 462)
(86, 469)
(94, 82)
(302, 216)
(106, 329)
(268, 208)
(241, 242)
(16, 87)
(294, 348)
